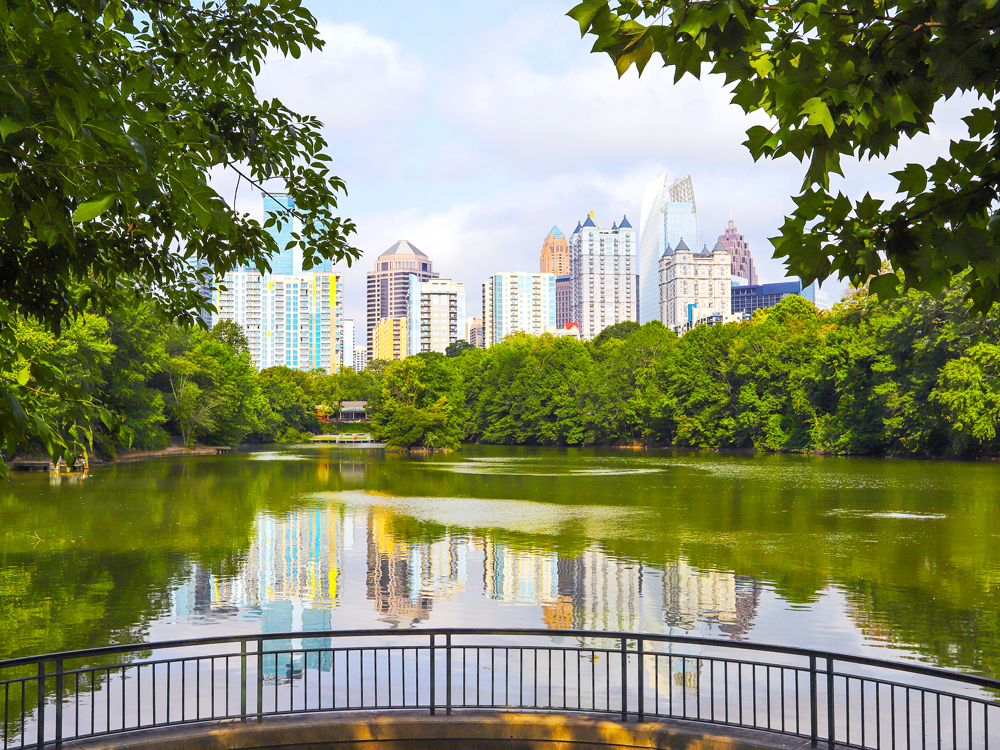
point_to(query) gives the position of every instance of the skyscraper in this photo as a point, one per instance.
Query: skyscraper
(668, 214)
(518, 302)
(390, 339)
(287, 261)
(294, 320)
(603, 283)
(347, 345)
(694, 286)
(360, 357)
(437, 314)
(564, 300)
(477, 336)
(555, 253)
(389, 284)
(738, 249)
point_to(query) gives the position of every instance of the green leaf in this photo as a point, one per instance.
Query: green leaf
(912, 179)
(94, 207)
(23, 375)
(8, 126)
(885, 286)
(819, 114)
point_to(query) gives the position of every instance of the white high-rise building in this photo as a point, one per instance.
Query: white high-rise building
(668, 215)
(294, 320)
(603, 276)
(360, 357)
(437, 314)
(694, 287)
(347, 348)
(518, 302)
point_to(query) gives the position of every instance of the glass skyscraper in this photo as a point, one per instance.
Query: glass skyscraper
(669, 213)
(287, 261)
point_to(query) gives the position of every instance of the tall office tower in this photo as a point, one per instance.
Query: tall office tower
(738, 249)
(564, 300)
(603, 276)
(360, 357)
(477, 335)
(555, 253)
(390, 339)
(294, 320)
(668, 214)
(518, 302)
(437, 314)
(347, 347)
(694, 286)
(389, 285)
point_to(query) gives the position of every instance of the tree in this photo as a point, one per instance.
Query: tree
(113, 115)
(617, 331)
(844, 78)
(231, 333)
(458, 348)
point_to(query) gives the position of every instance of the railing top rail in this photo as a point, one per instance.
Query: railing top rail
(920, 669)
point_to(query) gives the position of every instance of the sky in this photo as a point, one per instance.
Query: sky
(470, 129)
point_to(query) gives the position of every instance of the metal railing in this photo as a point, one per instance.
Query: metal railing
(828, 698)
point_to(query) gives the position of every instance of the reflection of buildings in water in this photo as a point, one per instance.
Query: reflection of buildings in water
(404, 578)
(295, 558)
(695, 601)
(526, 576)
(596, 591)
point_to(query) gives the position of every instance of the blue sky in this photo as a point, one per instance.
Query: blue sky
(471, 129)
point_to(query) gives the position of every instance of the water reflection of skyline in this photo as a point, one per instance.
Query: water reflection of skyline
(296, 569)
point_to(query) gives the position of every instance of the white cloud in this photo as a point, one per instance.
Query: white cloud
(356, 81)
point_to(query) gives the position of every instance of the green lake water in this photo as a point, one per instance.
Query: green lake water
(889, 558)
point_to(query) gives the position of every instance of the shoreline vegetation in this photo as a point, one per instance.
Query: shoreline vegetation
(918, 376)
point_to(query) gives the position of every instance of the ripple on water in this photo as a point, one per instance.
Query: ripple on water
(847, 513)
(518, 516)
(530, 467)
(279, 456)
(797, 474)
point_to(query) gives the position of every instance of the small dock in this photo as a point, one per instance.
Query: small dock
(347, 438)
(23, 464)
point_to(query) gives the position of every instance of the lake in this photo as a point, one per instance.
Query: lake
(887, 558)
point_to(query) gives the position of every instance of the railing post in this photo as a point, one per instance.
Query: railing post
(41, 704)
(59, 703)
(830, 704)
(433, 676)
(642, 681)
(624, 679)
(260, 680)
(813, 708)
(243, 681)
(447, 642)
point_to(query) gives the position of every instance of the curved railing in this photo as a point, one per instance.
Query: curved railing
(828, 698)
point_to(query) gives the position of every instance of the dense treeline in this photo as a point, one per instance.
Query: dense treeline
(917, 375)
(164, 380)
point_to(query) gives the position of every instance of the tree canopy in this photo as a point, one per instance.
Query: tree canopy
(838, 79)
(114, 117)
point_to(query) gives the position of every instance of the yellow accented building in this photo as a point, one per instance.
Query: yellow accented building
(390, 339)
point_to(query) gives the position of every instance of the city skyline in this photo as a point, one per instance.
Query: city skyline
(457, 151)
